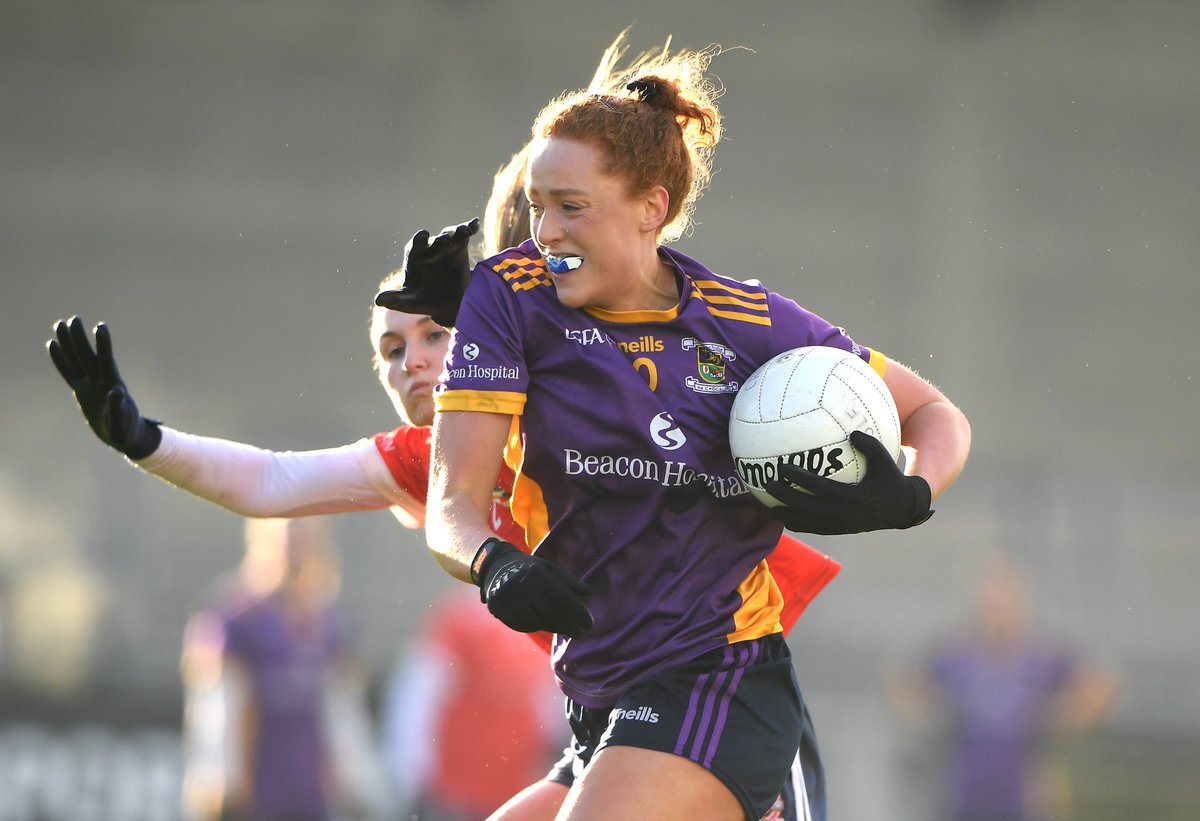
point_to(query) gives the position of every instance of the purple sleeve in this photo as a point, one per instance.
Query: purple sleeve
(487, 354)
(236, 640)
(793, 326)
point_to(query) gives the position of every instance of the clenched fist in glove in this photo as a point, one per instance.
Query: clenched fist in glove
(884, 499)
(530, 594)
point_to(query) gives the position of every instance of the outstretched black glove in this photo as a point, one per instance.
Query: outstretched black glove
(530, 594)
(99, 389)
(884, 499)
(435, 274)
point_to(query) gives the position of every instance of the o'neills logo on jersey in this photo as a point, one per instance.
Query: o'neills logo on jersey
(643, 344)
(645, 714)
(484, 372)
(595, 336)
(667, 474)
(821, 461)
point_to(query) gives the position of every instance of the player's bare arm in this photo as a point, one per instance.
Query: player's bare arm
(466, 451)
(934, 431)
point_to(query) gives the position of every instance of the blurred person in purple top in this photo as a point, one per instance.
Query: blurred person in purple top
(274, 640)
(605, 365)
(1006, 694)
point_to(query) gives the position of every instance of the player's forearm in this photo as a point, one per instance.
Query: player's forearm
(940, 436)
(252, 481)
(466, 460)
(455, 527)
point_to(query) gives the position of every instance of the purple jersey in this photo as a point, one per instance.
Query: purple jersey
(287, 667)
(999, 700)
(624, 475)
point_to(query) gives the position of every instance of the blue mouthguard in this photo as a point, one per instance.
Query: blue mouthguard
(561, 265)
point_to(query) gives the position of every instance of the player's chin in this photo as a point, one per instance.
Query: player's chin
(418, 410)
(569, 290)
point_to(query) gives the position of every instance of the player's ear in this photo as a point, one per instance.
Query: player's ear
(654, 204)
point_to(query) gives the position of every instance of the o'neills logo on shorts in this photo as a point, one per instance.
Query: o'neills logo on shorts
(484, 372)
(645, 714)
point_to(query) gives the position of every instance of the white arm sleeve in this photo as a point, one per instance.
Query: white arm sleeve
(252, 481)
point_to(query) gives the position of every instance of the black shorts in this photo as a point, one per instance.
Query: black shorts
(802, 797)
(735, 711)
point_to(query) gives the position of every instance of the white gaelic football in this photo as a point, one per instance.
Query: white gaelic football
(800, 407)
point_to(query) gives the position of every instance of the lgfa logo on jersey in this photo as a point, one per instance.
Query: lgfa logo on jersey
(711, 358)
(666, 433)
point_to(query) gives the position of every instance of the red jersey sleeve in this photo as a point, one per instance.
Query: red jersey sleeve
(801, 573)
(405, 451)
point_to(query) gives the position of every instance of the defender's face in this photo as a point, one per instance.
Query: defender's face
(410, 355)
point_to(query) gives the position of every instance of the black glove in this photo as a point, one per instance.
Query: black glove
(435, 274)
(884, 499)
(99, 390)
(530, 594)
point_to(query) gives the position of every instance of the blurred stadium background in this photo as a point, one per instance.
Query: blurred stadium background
(1001, 193)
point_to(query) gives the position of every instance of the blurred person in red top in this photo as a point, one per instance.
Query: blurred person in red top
(434, 727)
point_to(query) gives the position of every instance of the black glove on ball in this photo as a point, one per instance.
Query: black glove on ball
(530, 594)
(435, 274)
(884, 499)
(99, 389)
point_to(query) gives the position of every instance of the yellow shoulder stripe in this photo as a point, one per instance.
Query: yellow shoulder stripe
(713, 293)
(523, 273)
(732, 300)
(759, 296)
(520, 262)
(751, 318)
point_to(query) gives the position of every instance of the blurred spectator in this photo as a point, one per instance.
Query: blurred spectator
(264, 664)
(471, 716)
(1007, 694)
(4, 624)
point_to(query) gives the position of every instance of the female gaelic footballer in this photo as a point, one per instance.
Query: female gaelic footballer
(389, 469)
(649, 563)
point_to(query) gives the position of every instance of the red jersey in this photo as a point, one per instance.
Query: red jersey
(405, 451)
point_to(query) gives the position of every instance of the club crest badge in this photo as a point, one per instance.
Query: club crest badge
(711, 365)
(711, 361)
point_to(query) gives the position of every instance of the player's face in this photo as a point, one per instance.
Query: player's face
(586, 219)
(410, 354)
